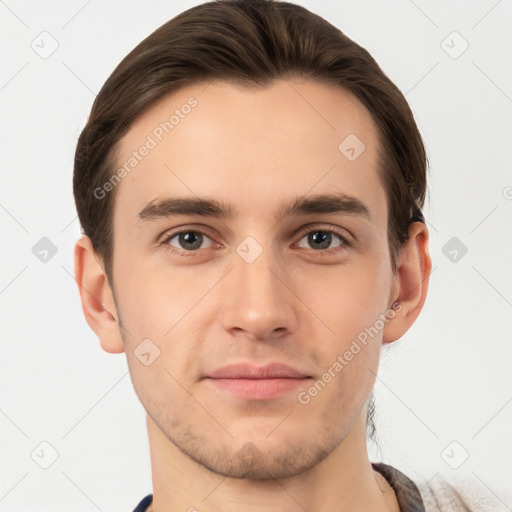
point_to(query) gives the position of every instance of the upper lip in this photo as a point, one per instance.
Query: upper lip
(250, 371)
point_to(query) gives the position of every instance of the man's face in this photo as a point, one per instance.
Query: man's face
(260, 285)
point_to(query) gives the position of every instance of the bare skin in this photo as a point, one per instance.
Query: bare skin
(255, 150)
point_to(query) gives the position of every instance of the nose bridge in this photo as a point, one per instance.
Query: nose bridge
(254, 273)
(258, 302)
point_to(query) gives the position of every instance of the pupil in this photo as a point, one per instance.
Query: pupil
(190, 240)
(320, 239)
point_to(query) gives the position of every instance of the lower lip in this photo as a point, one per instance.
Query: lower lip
(259, 389)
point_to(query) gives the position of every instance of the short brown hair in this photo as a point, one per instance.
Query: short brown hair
(250, 42)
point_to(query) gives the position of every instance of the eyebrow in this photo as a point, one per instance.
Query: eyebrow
(323, 203)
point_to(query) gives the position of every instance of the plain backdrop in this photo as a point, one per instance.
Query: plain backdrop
(72, 430)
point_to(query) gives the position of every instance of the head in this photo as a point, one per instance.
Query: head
(297, 176)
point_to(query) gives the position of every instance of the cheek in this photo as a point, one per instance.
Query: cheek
(160, 390)
(153, 300)
(164, 320)
(347, 299)
(339, 394)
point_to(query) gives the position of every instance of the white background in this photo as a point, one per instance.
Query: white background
(449, 379)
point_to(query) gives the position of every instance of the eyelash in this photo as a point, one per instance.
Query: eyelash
(346, 240)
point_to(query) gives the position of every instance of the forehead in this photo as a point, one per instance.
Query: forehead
(250, 145)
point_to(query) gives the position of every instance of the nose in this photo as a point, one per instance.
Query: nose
(258, 302)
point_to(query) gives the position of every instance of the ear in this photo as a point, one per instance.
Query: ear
(97, 299)
(410, 283)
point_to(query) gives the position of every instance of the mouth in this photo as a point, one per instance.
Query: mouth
(247, 381)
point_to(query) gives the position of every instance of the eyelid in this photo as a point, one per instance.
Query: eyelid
(343, 233)
(346, 236)
(171, 233)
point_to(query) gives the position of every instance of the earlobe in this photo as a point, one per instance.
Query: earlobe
(96, 296)
(411, 282)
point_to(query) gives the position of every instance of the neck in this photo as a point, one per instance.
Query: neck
(343, 480)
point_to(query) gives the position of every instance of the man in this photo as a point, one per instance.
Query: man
(250, 186)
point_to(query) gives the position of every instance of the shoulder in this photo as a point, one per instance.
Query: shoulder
(144, 503)
(407, 493)
(441, 496)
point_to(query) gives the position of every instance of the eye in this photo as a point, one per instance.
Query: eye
(189, 240)
(319, 239)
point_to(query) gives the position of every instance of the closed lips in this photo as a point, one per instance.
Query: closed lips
(248, 371)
